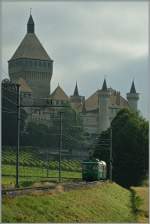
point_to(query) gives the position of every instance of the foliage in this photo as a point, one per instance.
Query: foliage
(9, 116)
(103, 203)
(141, 206)
(44, 136)
(72, 129)
(130, 148)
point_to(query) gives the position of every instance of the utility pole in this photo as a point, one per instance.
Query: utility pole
(47, 160)
(18, 134)
(110, 159)
(60, 146)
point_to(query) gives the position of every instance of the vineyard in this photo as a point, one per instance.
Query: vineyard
(34, 165)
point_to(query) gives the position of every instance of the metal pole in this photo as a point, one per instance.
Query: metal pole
(60, 146)
(18, 135)
(110, 163)
(47, 158)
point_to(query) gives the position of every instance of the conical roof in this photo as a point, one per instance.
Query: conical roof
(76, 92)
(104, 87)
(30, 46)
(132, 90)
(30, 25)
(30, 21)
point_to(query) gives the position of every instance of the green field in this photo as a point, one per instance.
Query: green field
(32, 158)
(34, 166)
(103, 203)
(32, 174)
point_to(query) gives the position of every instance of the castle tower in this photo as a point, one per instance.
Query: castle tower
(76, 99)
(103, 103)
(133, 98)
(32, 63)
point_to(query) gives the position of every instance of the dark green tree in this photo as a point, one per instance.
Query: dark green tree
(10, 114)
(130, 147)
(41, 135)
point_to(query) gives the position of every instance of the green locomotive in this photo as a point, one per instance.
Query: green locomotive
(93, 170)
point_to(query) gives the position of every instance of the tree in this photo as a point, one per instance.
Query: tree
(10, 114)
(130, 147)
(43, 136)
(36, 135)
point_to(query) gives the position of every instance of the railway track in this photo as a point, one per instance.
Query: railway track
(51, 188)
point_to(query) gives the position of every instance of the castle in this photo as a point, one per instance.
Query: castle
(32, 68)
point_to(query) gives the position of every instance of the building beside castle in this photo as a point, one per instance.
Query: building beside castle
(32, 68)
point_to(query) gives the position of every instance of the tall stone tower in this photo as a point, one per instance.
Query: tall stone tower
(32, 63)
(103, 103)
(133, 98)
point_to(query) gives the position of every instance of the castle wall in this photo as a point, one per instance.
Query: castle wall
(133, 101)
(90, 122)
(37, 74)
(103, 116)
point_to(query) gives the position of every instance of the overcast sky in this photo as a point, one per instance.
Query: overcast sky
(87, 41)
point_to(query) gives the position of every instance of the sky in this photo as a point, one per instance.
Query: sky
(88, 41)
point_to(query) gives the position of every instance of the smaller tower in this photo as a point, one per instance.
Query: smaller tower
(76, 99)
(76, 93)
(103, 102)
(133, 98)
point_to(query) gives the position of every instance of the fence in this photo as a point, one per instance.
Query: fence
(37, 165)
(39, 143)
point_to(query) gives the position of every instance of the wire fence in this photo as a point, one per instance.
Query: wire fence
(47, 146)
(37, 164)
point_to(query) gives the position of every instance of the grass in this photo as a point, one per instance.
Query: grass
(32, 174)
(107, 202)
(33, 166)
(143, 211)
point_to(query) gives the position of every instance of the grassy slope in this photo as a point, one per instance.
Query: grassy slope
(143, 193)
(104, 203)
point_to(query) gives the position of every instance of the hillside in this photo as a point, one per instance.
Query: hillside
(143, 193)
(103, 203)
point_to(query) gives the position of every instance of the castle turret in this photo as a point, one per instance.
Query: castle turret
(32, 63)
(76, 92)
(103, 102)
(76, 99)
(133, 98)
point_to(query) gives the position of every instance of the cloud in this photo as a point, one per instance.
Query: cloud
(86, 40)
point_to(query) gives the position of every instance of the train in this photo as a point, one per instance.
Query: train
(94, 170)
